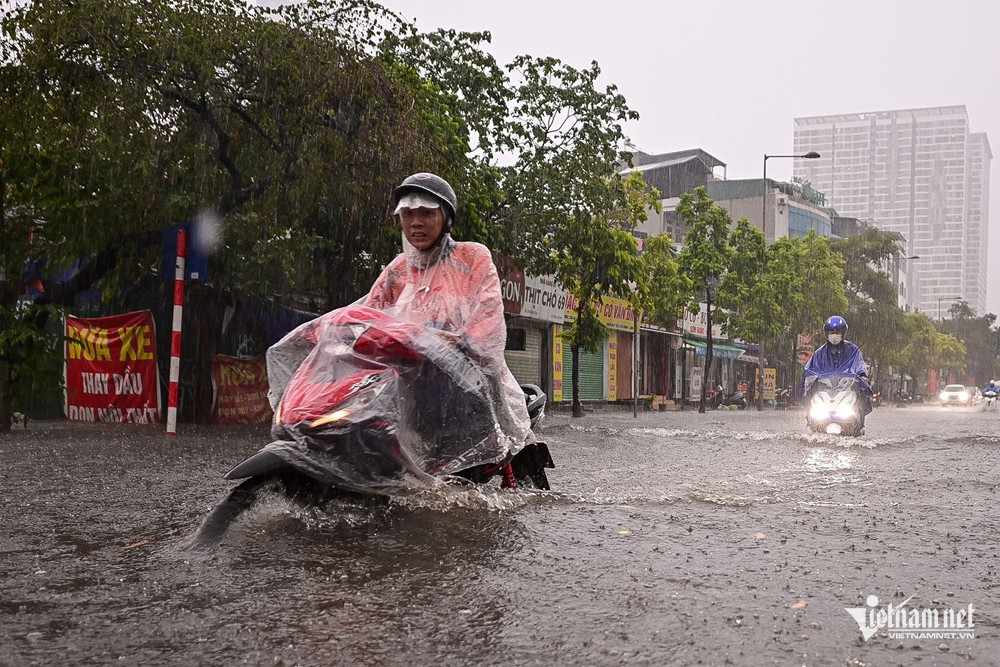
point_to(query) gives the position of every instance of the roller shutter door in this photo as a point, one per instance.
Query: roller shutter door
(591, 375)
(526, 365)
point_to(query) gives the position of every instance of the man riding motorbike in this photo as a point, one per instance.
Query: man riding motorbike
(990, 393)
(841, 357)
(452, 287)
(405, 387)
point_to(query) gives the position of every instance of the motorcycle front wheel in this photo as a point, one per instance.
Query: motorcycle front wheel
(213, 528)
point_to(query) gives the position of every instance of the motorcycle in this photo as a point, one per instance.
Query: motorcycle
(720, 400)
(989, 400)
(737, 399)
(783, 397)
(377, 407)
(836, 405)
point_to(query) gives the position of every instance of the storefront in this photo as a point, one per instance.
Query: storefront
(538, 310)
(534, 307)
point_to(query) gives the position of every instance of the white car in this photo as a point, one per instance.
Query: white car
(954, 394)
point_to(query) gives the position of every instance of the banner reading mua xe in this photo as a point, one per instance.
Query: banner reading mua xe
(111, 373)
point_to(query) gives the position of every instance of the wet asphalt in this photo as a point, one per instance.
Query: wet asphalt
(668, 539)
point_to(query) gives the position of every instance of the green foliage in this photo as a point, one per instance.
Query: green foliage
(290, 127)
(980, 337)
(122, 117)
(664, 290)
(563, 132)
(706, 255)
(595, 255)
(587, 332)
(32, 357)
(807, 281)
(926, 348)
(873, 311)
(741, 294)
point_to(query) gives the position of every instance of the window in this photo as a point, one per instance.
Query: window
(515, 340)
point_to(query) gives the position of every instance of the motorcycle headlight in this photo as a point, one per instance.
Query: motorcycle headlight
(818, 411)
(357, 402)
(845, 411)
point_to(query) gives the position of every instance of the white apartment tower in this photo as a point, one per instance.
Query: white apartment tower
(919, 172)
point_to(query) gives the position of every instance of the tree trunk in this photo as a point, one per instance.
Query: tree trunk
(209, 308)
(708, 355)
(577, 405)
(6, 409)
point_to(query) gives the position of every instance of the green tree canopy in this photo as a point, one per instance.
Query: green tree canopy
(289, 128)
(594, 256)
(873, 312)
(926, 348)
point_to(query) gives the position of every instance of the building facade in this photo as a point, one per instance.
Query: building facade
(919, 172)
(673, 174)
(787, 209)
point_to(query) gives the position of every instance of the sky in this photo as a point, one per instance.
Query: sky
(730, 76)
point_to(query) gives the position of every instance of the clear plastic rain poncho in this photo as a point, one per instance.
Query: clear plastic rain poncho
(451, 374)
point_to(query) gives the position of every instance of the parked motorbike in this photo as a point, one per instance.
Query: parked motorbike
(721, 400)
(989, 400)
(737, 399)
(836, 405)
(783, 398)
(380, 407)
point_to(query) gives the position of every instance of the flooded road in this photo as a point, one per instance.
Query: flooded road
(670, 539)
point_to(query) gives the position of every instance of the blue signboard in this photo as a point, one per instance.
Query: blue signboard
(196, 263)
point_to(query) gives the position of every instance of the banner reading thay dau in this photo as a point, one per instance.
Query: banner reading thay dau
(111, 373)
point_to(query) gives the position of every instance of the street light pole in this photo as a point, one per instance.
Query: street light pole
(811, 155)
(953, 299)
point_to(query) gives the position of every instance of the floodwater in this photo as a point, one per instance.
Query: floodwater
(669, 539)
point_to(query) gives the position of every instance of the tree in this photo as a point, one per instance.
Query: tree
(806, 280)
(979, 336)
(564, 134)
(290, 127)
(704, 258)
(802, 284)
(664, 290)
(927, 348)
(741, 294)
(873, 312)
(598, 255)
(123, 117)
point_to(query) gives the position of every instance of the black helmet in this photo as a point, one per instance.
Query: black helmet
(432, 185)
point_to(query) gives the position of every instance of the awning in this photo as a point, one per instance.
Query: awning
(719, 351)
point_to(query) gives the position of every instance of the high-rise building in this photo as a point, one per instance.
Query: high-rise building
(918, 172)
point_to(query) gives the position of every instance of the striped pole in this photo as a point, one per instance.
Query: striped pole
(175, 335)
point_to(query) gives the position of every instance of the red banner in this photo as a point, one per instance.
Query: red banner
(240, 390)
(111, 373)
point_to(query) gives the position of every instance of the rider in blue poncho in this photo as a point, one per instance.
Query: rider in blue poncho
(837, 357)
